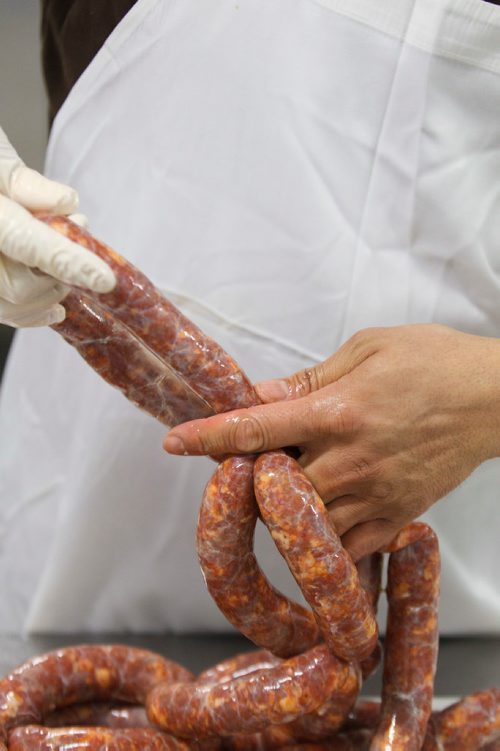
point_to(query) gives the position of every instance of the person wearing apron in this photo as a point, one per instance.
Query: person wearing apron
(288, 173)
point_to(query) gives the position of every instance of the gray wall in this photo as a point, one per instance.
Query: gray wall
(23, 108)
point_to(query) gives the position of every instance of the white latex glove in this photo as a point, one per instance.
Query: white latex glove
(29, 247)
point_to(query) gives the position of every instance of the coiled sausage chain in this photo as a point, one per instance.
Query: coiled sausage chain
(298, 693)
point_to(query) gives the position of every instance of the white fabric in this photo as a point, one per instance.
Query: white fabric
(288, 172)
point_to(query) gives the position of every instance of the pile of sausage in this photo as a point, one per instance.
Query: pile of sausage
(300, 689)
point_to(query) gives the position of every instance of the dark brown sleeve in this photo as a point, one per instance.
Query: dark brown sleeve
(72, 32)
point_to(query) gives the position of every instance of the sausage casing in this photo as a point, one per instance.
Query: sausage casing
(225, 535)
(81, 674)
(36, 738)
(250, 703)
(297, 519)
(164, 330)
(411, 640)
(468, 724)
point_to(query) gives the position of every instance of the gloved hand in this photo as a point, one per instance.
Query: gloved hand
(36, 262)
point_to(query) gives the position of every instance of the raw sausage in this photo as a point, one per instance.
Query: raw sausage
(80, 674)
(316, 725)
(36, 738)
(469, 724)
(411, 640)
(122, 360)
(370, 576)
(103, 714)
(225, 535)
(137, 304)
(297, 519)
(364, 715)
(248, 704)
(239, 665)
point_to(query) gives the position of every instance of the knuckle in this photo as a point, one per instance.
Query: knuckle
(248, 434)
(363, 471)
(382, 490)
(61, 262)
(306, 381)
(365, 341)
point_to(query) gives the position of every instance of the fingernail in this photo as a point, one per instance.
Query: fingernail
(273, 391)
(174, 445)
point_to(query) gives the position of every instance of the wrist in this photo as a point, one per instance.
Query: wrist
(487, 388)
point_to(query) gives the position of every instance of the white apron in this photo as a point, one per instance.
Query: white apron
(288, 171)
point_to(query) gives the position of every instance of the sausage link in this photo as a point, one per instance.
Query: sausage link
(136, 302)
(326, 720)
(370, 666)
(411, 640)
(317, 725)
(353, 740)
(311, 727)
(104, 714)
(370, 576)
(364, 715)
(122, 360)
(369, 571)
(239, 665)
(80, 674)
(274, 736)
(472, 723)
(226, 526)
(332, 715)
(248, 704)
(36, 738)
(297, 519)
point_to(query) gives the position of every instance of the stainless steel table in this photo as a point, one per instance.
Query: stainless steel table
(465, 665)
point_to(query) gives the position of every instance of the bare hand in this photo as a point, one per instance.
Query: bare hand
(390, 423)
